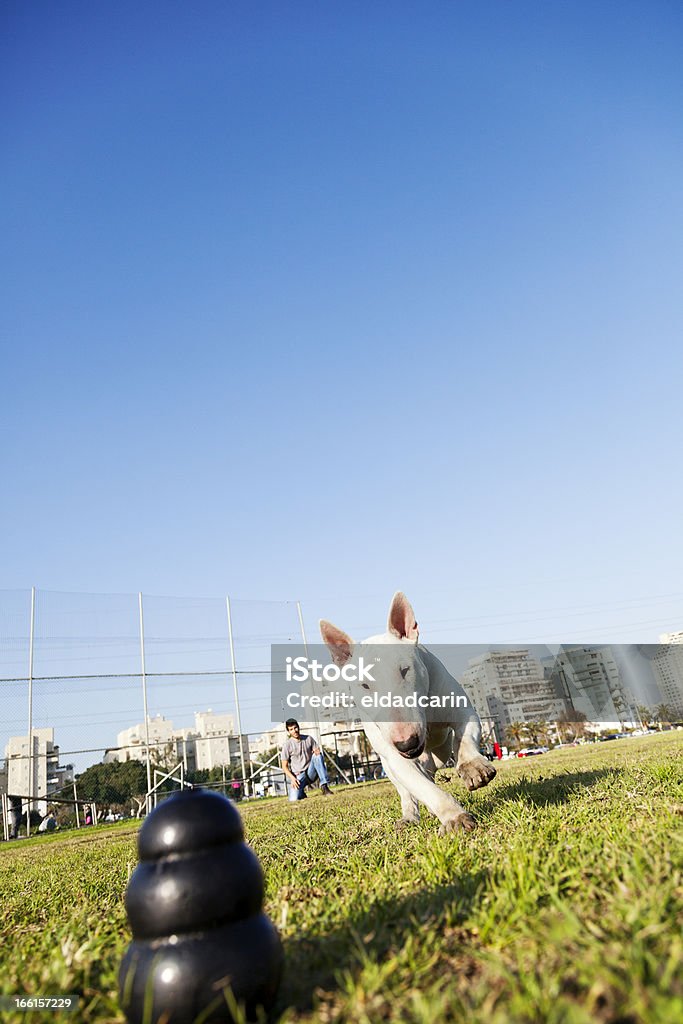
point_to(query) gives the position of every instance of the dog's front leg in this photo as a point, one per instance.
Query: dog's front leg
(410, 809)
(450, 813)
(410, 776)
(472, 767)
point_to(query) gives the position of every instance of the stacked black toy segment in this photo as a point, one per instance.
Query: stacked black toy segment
(194, 905)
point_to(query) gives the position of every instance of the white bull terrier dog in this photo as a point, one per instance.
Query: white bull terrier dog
(410, 748)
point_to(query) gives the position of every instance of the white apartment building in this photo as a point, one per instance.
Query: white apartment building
(132, 742)
(33, 769)
(210, 744)
(510, 686)
(214, 742)
(667, 666)
(588, 679)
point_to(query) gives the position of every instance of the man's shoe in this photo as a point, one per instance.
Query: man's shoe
(326, 791)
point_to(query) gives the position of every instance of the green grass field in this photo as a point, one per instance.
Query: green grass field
(564, 906)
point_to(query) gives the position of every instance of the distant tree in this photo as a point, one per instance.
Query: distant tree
(515, 732)
(165, 756)
(264, 758)
(571, 724)
(364, 746)
(537, 731)
(620, 707)
(116, 782)
(207, 776)
(580, 724)
(216, 776)
(645, 714)
(663, 714)
(563, 723)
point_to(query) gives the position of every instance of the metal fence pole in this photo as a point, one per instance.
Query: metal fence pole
(316, 719)
(78, 820)
(5, 815)
(148, 798)
(29, 804)
(237, 699)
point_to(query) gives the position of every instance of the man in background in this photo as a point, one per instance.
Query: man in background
(49, 823)
(14, 816)
(302, 762)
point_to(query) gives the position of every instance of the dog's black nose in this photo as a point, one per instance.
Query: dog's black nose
(406, 746)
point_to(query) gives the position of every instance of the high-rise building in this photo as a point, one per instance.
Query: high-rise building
(588, 680)
(132, 742)
(667, 666)
(214, 741)
(33, 768)
(510, 686)
(209, 744)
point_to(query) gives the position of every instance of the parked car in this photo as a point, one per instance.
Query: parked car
(531, 751)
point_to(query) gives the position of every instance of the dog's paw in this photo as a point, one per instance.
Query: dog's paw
(461, 822)
(477, 773)
(405, 823)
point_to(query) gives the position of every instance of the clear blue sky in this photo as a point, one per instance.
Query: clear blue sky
(319, 301)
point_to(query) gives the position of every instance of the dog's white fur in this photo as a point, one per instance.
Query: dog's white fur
(410, 748)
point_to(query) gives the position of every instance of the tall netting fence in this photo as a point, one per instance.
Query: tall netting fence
(15, 619)
(110, 677)
(86, 671)
(187, 690)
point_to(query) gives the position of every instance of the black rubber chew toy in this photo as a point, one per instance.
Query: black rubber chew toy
(194, 903)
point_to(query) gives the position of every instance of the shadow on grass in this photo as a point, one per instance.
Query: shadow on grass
(378, 931)
(315, 960)
(557, 789)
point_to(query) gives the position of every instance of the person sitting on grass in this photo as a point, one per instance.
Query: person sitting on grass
(302, 762)
(49, 823)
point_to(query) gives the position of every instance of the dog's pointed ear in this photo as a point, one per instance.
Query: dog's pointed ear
(339, 643)
(402, 622)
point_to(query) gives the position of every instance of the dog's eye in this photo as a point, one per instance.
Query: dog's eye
(365, 686)
(404, 672)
